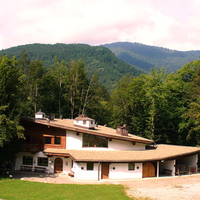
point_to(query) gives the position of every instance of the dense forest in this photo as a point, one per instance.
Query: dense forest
(98, 59)
(160, 106)
(145, 57)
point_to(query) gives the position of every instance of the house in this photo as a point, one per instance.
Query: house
(88, 151)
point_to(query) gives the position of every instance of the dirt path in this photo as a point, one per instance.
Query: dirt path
(175, 188)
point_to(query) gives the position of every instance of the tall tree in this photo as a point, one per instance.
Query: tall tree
(10, 110)
(76, 85)
(190, 125)
(33, 72)
(58, 73)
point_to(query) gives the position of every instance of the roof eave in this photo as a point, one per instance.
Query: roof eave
(89, 131)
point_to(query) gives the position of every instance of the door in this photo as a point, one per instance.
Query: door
(58, 165)
(104, 171)
(148, 170)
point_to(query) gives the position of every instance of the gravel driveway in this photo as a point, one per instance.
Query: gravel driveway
(166, 188)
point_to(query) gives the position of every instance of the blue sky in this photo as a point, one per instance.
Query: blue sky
(173, 24)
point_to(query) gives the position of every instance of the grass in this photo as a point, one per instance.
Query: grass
(23, 190)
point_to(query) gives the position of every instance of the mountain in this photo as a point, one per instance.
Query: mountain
(145, 57)
(97, 59)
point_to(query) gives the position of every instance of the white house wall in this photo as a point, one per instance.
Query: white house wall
(116, 171)
(82, 173)
(67, 164)
(120, 171)
(124, 145)
(88, 123)
(73, 140)
(19, 160)
(168, 164)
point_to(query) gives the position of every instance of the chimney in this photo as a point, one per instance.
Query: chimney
(122, 130)
(51, 116)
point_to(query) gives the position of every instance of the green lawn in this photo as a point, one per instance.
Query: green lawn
(26, 190)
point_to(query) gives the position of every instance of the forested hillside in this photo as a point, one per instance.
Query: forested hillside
(146, 57)
(97, 59)
(159, 106)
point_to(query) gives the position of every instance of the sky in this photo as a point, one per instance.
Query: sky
(173, 24)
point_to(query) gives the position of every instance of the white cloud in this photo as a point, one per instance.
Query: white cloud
(167, 23)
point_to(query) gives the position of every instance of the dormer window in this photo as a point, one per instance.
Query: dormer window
(84, 122)
(122, 130)
(40, 115)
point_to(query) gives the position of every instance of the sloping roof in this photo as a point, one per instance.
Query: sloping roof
(39, 113)
(161, 152)
(83, 117)
(103, 131)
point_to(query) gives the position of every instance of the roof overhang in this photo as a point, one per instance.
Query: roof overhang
(158, 154)
(96, 131)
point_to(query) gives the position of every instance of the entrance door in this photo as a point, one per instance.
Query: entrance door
(58, 165)
(148, 170)
(104, 171)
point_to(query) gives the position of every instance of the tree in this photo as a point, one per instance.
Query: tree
(58, 72)
(155, 102)
(95, 101)
(190, 126)
(33, 72)
(121, 103)
(76, 87)
(10, 105)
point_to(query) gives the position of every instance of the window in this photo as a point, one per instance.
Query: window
(57, 140)
(42, 161)
(84, 121)
(47, 140)
(131, 166)
(94, 141)
(27, 160)
(90, 166)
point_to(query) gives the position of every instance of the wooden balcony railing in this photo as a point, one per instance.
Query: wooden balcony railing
(33, 148)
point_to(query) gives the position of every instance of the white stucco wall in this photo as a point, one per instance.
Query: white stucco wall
(168, 164)
(116, 171)
(19, 160)
(120, 171)
(67, 164)
(82, 173)
(73, 140)
(88, 123)
(124, 145)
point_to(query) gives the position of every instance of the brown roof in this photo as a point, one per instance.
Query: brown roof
(68, 124)
(83, 117)
(161, 152)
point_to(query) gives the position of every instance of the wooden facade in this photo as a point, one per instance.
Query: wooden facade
(36, 135)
